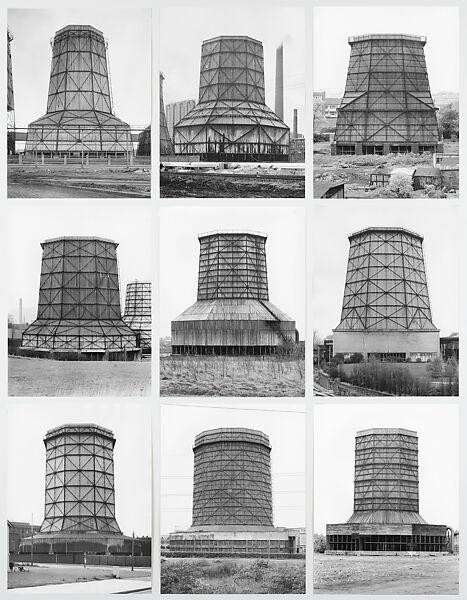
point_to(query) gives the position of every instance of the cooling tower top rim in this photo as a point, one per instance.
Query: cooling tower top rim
(395, 229)
(83, 238)
(83, 28)
(232, 37)
(386, 431)
(233, 232)
(78, 427)
(231, 434)
(138, 282)
(387, 36)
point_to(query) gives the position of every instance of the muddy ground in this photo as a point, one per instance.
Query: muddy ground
(71, 181)
(217, 185)
(355, 171)
(231, 376)
(431, 574)
(43, 377)
(45, 574)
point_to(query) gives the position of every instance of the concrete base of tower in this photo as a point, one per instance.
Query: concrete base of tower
(413, 346)
(238, 540)
(70, 543)
(384, 538)
(358, 148)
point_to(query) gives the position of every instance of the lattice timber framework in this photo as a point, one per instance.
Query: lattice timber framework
(10, 99)
(231, 120)
(386, 310)
(232, 498)
(79, 508)
(386, 517)
(233, 314)
(166, 144)
(137, 313)
(79, 118)
(79, 315)
(387, 104)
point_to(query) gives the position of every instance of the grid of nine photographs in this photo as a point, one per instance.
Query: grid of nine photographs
(233, 276)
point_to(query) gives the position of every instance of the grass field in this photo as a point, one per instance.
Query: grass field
(42, 574)
(43, 377)
(232, 576)
(355, 171)
(231, 376)
(376, 575)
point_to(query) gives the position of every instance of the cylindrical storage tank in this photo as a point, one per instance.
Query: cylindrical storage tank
(144, 142)
(137, 313)
(79, 300)
(386, 309)
(387, 104)
(233, 314)
(386, 472)
(79, 117)
(231, 120)
(232, 478)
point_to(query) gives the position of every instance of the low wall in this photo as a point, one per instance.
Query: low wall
(77, 558)
(168, 554)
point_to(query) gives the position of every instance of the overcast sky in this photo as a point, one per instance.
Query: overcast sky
(333, 25)
(269, 24)
(179, 255)
(437, 222)
(128, 33)
(127, 222)
(131, 426)
(335, 427)
(283, 423)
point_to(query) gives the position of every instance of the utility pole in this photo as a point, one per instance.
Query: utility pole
(32, 539)
(133, 552)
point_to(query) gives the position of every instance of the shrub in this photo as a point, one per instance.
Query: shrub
(319, 543)
(179, 578)
(435, 367)
(400, 184)
(287, 582)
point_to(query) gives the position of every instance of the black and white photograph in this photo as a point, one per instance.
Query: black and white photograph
(386, 499)
(386, 101)
(79, 504)
(233, 498)
(232, 101)
(79, 103)
(385, 299)
(79, 298)
(232, 301)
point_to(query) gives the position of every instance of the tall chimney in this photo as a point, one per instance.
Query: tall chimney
(20, 311)
(295, 123)
(279, 105)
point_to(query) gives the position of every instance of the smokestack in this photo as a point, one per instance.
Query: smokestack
(279, 106)
(20, 311)
(295, 123)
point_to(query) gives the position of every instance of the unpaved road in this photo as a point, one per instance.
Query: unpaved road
(43, 377)
(386, 574)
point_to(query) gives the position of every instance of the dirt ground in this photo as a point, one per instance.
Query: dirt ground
(231, 376)
(43, 377)
(72, 181)
(355, 171)
(42, 574)
(386, 574)
(232, 576)
(214, 185)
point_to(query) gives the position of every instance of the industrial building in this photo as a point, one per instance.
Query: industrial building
(79, 314)
(233, 314)
(10, 99)
(175, 111)
(386, 311)
(386, 516)
(231, 120)
(79, 119)
(166, 144)
(79, 509)
(232, 499)
(137, 314)
(387, 105)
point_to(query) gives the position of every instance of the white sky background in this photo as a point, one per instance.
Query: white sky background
(129, 223)
(179, 255)
(335, 427)
(128, 33)
(271, 25)
(333, 25)
(286, 432)
(131, 426)
(437, 222)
